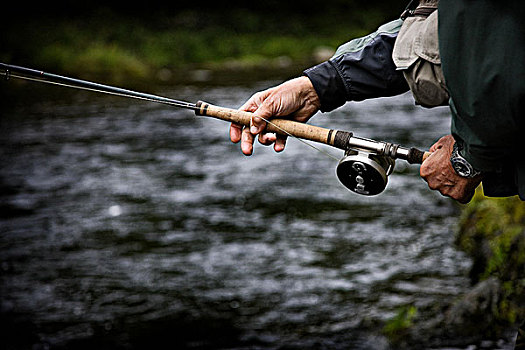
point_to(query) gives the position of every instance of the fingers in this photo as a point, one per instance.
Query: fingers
(255, 101)
(434, 147)
(267, 138)
(280, 143)
(247, 134)
(295, 98)
(444, 141)
(235, 132)
(247, 142)
(264, 111)
(256, 105)
(467, 197)
(426, 168)
(437, 171)
(240, 132)
(461, 193)
(257, 125)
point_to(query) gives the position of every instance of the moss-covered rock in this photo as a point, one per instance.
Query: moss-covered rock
(492, 232)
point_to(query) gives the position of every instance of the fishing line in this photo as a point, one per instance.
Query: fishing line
(301, 140)
(9, 74)
(364, 168)
(122, 93)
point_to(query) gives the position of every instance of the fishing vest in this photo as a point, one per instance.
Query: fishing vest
(416, 54)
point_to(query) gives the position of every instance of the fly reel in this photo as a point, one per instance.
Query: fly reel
(365, 173)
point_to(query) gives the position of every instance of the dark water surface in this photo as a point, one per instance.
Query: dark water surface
(126, 224)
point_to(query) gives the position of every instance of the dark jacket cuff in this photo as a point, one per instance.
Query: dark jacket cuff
(328, 85)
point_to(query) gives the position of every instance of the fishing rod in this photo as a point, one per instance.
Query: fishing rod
(364, 169)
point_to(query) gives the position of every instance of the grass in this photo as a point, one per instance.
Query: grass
(119, 47)
(401, 322)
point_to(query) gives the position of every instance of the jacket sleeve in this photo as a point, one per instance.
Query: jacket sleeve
(360, 69)
(482, 51)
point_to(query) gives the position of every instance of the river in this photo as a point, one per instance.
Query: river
(127, 224)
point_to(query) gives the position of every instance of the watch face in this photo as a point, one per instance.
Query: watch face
(462, 167)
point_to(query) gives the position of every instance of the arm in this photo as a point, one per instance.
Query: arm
(487, 87)
(360, 69)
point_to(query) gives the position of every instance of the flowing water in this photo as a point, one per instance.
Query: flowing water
(127, 224)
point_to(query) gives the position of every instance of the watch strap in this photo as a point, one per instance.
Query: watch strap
(460, 165)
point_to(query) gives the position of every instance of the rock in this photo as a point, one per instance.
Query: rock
(476, 312)
(492, 232)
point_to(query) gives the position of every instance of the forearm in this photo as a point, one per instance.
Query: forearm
(359, 70)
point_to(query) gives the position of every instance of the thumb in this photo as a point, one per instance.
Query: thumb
(257, 123)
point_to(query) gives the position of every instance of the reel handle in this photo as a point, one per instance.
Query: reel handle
(416, 156)
(279, 126)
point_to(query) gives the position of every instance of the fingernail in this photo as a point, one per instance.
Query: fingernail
(254, 129)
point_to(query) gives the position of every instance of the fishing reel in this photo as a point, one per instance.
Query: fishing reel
(363, 172)
(364, 169)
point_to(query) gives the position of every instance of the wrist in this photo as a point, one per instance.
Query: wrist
(309, 94)
(460, 165)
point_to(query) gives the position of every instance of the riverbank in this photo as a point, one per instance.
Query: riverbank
(491, 231)
(121, 46)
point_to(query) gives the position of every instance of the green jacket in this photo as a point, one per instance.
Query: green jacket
(482, 48)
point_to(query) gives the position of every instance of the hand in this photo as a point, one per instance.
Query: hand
(295, 99)
(437, 171)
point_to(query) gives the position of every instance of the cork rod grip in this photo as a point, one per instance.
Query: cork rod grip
(416, 156)
(279, 126)
(336, 138)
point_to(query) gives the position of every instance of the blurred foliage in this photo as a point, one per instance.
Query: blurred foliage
(137, 39)
(492, 232)
(395, 328)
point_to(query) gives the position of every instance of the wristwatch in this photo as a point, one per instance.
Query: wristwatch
(461, 166)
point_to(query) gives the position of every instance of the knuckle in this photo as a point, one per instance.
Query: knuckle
(424, 171)
(449, 192)
(432, 183)
(256, 95)
(271, 102)
(434, 186)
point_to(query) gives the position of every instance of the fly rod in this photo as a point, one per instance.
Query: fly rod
(364, 169)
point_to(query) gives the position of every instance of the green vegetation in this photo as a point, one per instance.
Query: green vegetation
(138, 44)
(395, 328)
(492, 231)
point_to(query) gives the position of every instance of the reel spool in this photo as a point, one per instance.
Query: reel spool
(364, 173)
